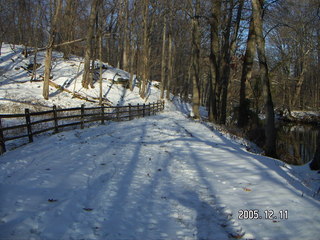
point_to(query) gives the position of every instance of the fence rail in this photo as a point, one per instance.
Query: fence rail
(29, 124)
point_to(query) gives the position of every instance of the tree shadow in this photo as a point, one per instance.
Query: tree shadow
(138, 192)
(67, 83)
(210, 219)
(110, 87)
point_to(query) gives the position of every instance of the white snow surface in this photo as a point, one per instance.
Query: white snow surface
(160, 177)
(17, 92)
(302, 114)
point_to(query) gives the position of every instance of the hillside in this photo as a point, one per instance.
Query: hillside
(161, 177)
(18, 92)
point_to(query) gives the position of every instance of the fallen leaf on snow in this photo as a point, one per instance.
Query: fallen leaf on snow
(88, 209)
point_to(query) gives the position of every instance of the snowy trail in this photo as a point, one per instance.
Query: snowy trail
(161, 177)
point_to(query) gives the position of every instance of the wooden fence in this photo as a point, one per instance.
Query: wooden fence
(15, 126)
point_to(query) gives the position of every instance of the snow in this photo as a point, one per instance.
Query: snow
(160, 177)
(303, 114)
(18, 93)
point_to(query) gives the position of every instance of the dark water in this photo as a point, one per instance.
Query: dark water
(296, 144)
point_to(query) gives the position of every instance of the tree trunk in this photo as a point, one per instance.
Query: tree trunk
(125, 55)
(229, 52)
(170, 82)
(145, 59)
(22, 21)
(297, 94)
(245, 76)
(47, 71)
(170, 65)
(100, 67)
(163, 58)
(270, 131)
(225, 63)
(69, 28)
(196, 62)
(189, 81)
(34, 70)
(47, 66)
(214, 59)
(131, 58)
(87, 77)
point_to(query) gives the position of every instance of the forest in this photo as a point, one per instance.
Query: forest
(237, 58)
(231, 149)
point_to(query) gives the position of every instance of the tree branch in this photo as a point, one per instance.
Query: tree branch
(70, 42)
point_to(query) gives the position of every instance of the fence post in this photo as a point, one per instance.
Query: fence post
(130, 113)
(162, 105)
(82, 116)
(153, 111)
(117, 112)
(144, 110)
(28, 122)
(102, 114)
(149, 109)
(55, 116)
(138, 111)
(2, 141)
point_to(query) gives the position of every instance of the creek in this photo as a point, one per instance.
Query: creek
(296, 144)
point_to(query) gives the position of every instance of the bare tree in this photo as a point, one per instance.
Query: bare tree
(163, 57)
(270, 131)
(132, 50)
(87, 79)
(145, 58)
(68, 26)
(224, 28)
(196, 61)
(47, 70)
(214, 58)
(294, 52)
(229, 49)
(170, 81)
(125, 54)
(245, 76)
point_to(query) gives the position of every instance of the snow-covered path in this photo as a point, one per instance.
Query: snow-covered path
(161, 177)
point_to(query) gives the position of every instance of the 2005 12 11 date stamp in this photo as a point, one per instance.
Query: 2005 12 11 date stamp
(269, 214)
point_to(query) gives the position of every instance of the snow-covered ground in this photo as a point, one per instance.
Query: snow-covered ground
(18, 93)
(160, 177)
(303, 114)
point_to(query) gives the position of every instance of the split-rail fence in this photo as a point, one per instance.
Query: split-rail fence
(29, 124)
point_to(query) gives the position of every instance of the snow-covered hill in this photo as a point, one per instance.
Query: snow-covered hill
(18, 92)
(164, 177)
